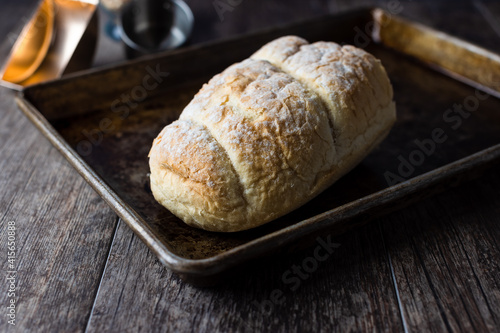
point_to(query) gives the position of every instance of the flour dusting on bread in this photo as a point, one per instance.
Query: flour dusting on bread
(270, 133)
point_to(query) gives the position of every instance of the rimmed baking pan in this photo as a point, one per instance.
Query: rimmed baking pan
(448, 129)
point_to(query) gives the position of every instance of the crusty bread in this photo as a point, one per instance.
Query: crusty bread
(270, 133)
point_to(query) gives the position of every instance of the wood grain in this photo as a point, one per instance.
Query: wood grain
(351, 290)
(431, 267)
(64, 230)
(355, 290)
(445, 256)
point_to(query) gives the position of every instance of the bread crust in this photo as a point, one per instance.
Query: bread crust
(268, 134)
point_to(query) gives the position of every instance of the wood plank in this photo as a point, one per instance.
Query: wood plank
(61, 222)
(64, 230)
(352, 290)
(445, 250)
(445, 254)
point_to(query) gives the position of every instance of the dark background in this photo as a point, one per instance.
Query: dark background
(434, 266)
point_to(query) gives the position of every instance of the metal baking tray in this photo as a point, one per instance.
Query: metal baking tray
(448, 130)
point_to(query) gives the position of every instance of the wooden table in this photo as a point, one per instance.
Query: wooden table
(434, 266)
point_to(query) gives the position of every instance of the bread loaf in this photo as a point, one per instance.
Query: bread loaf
(270, 133)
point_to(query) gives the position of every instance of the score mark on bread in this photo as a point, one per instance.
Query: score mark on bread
(270, 133)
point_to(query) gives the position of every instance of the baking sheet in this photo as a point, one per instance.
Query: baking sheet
(104, 122)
